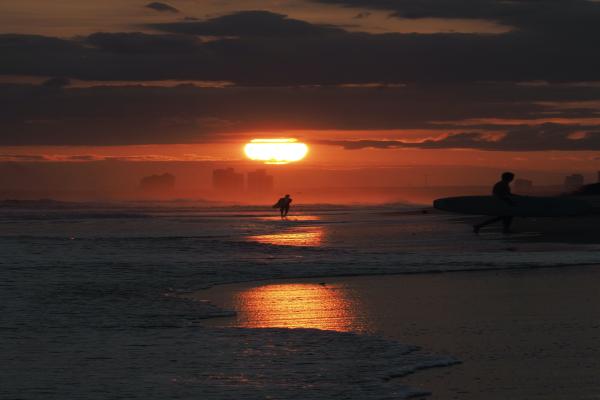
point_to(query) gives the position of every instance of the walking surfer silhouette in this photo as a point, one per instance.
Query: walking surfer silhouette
(284, 205)
(502, 191)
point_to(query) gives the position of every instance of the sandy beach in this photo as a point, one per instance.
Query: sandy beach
(520, 334)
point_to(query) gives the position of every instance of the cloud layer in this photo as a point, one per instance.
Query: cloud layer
(548, 16)
(257, 48)
(540, 137)
(455, 115)
(469, 90)
(258, 23)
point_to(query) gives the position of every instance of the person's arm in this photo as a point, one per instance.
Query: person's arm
(508, 197)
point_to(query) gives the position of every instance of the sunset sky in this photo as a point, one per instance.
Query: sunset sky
(367, 84)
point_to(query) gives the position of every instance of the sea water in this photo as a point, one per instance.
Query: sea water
(93, 297)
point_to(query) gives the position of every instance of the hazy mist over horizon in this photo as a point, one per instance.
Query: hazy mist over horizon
(121, 180)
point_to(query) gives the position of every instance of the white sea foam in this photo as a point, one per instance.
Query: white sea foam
(213, 364)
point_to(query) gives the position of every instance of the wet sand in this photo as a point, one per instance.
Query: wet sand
(582, 230)
(521, 334)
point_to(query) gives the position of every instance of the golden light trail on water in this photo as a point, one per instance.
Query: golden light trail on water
(276, 151)
(298, 305)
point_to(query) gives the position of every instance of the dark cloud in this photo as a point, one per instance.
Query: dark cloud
(82, 157)
(260, 48)
(136, 42)
(303, 60)
(57, 82)
(161, 7)
(48, 157)
(107, 56)
(362, 15)
(23, 157)
(248, 23)
(540, 137)
(12, 42)
(536, 15)
(34, 115)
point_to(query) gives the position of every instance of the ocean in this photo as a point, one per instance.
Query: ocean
(94, 296)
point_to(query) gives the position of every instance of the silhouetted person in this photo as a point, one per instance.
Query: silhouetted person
(284, 205)
(502, 191)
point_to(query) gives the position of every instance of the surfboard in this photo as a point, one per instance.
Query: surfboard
(524, 206)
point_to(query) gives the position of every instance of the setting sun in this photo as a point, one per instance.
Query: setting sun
(276, 151)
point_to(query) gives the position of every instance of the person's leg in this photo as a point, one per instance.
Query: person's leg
(285, 212)
(487, 222)
(281, 210)
(506, 222)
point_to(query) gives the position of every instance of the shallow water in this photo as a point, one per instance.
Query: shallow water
(520, 334)
(91, 295)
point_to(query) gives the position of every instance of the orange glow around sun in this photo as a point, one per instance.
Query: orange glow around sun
(275, 151)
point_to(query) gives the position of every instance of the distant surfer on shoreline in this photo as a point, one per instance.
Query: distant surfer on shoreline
(284, 205)
(502, 191)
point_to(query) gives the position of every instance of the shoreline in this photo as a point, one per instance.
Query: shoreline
(192, 294)
(423, 305)
(216, 312)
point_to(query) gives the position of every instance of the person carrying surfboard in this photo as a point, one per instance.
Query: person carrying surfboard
(284, 205)
(502, 191)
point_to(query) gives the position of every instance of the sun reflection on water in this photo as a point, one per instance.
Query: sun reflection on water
(311, 236)
(300, 305)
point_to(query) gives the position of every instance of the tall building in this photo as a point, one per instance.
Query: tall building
(523, 186)
(260, 182)
(573, 182)
(227, 180)
(158, 184)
